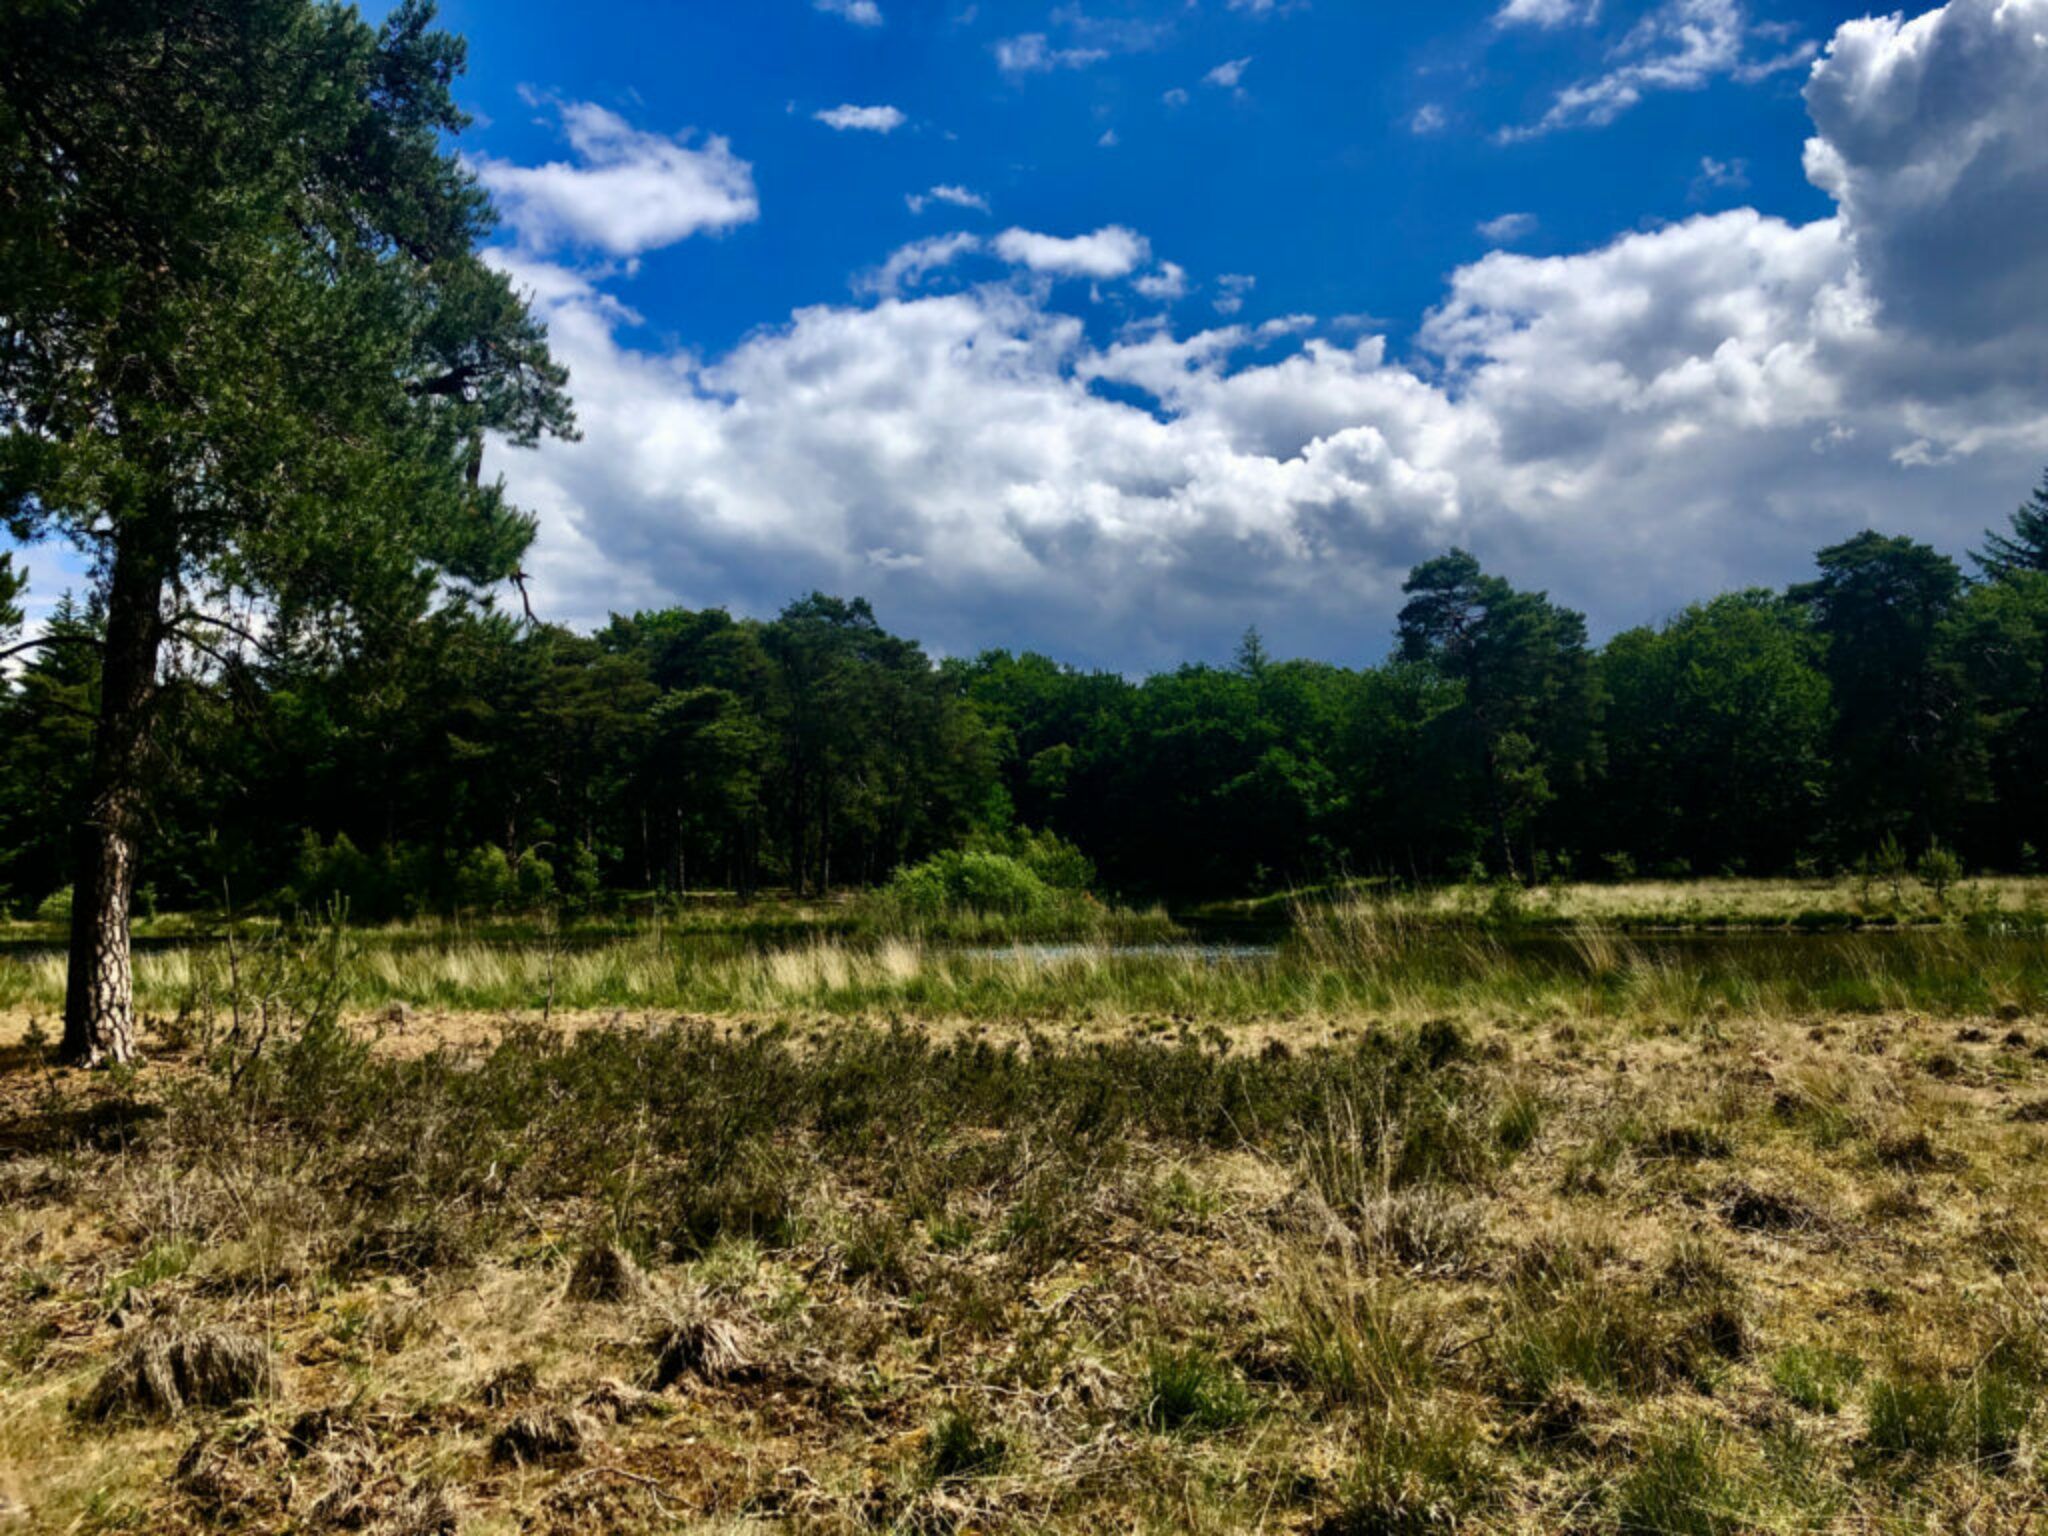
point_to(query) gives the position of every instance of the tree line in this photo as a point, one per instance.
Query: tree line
(472, 758)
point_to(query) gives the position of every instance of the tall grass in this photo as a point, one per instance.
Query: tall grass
(1341, 963)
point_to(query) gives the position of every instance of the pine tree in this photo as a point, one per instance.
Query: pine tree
(2025, 548)
(248, 355)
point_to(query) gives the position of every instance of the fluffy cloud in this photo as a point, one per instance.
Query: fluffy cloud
(913, 263)
(1680, 46)
(1234, 286)
(1546, 13)
(1228, 74)
(1931, 138)
(958, 197)
(1631, 426)
(862, 13)
(1033, 54)
(1112, 251)
(1720, 175)
(1170, 282)
(626, 192)
(1508, 228)
(846, 117)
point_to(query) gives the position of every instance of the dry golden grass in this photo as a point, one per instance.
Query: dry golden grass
(1747, 1274)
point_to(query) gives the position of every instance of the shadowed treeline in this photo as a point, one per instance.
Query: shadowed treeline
(1888, 713)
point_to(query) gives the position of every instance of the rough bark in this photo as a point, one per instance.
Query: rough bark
(99, 993)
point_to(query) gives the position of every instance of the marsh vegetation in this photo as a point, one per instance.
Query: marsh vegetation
(1416, 1222)
(458, 1163)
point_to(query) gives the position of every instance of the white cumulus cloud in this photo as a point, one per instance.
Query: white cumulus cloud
(1546, 13)
(1110, 252)
(862, 13)
(1508, 228)
(626, 192)
(1234, 286)
(1631, 426)
(1032, 53)
(910, 265)
(958, 197)
(1681, 46)
(1228, 74)
(1932, 135)
(847, 117)
(1168, 283)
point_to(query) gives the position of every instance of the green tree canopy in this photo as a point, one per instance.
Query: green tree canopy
(1530, 699)
(2025, 546)
(1878, 603)
(1717, 735)
(11, 584)
(248, 356)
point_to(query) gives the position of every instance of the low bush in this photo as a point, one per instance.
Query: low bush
(972, 882)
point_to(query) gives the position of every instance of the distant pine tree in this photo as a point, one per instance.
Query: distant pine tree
(2026, 547)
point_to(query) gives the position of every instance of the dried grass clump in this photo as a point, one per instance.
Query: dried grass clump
(613, 1402)
(606, 1274)
(712, 1349)
(338, 1451)
(1750, 1209)
(425, 1509)
(233, 1475)
(541, 1434)
(164, 1371)
(388, 1507)
(508, 1384)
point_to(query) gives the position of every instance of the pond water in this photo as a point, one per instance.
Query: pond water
(1206, 952)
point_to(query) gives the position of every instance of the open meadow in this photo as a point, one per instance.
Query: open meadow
(1422, 1215)
(1118, 769)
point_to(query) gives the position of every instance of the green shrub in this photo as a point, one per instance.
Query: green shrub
(970, 881)
(1939, 869)
(535, 880)
(1054, 860)
(581, 880)
(1891, 866)
(55, 907)
(324, 873)
(1014, 875)
(484, 881)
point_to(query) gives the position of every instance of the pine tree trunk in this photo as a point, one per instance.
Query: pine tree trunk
(1497, 805)
(99, 992)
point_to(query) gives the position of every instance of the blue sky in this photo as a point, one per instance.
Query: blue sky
(1308, 174)
(1109, 329)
